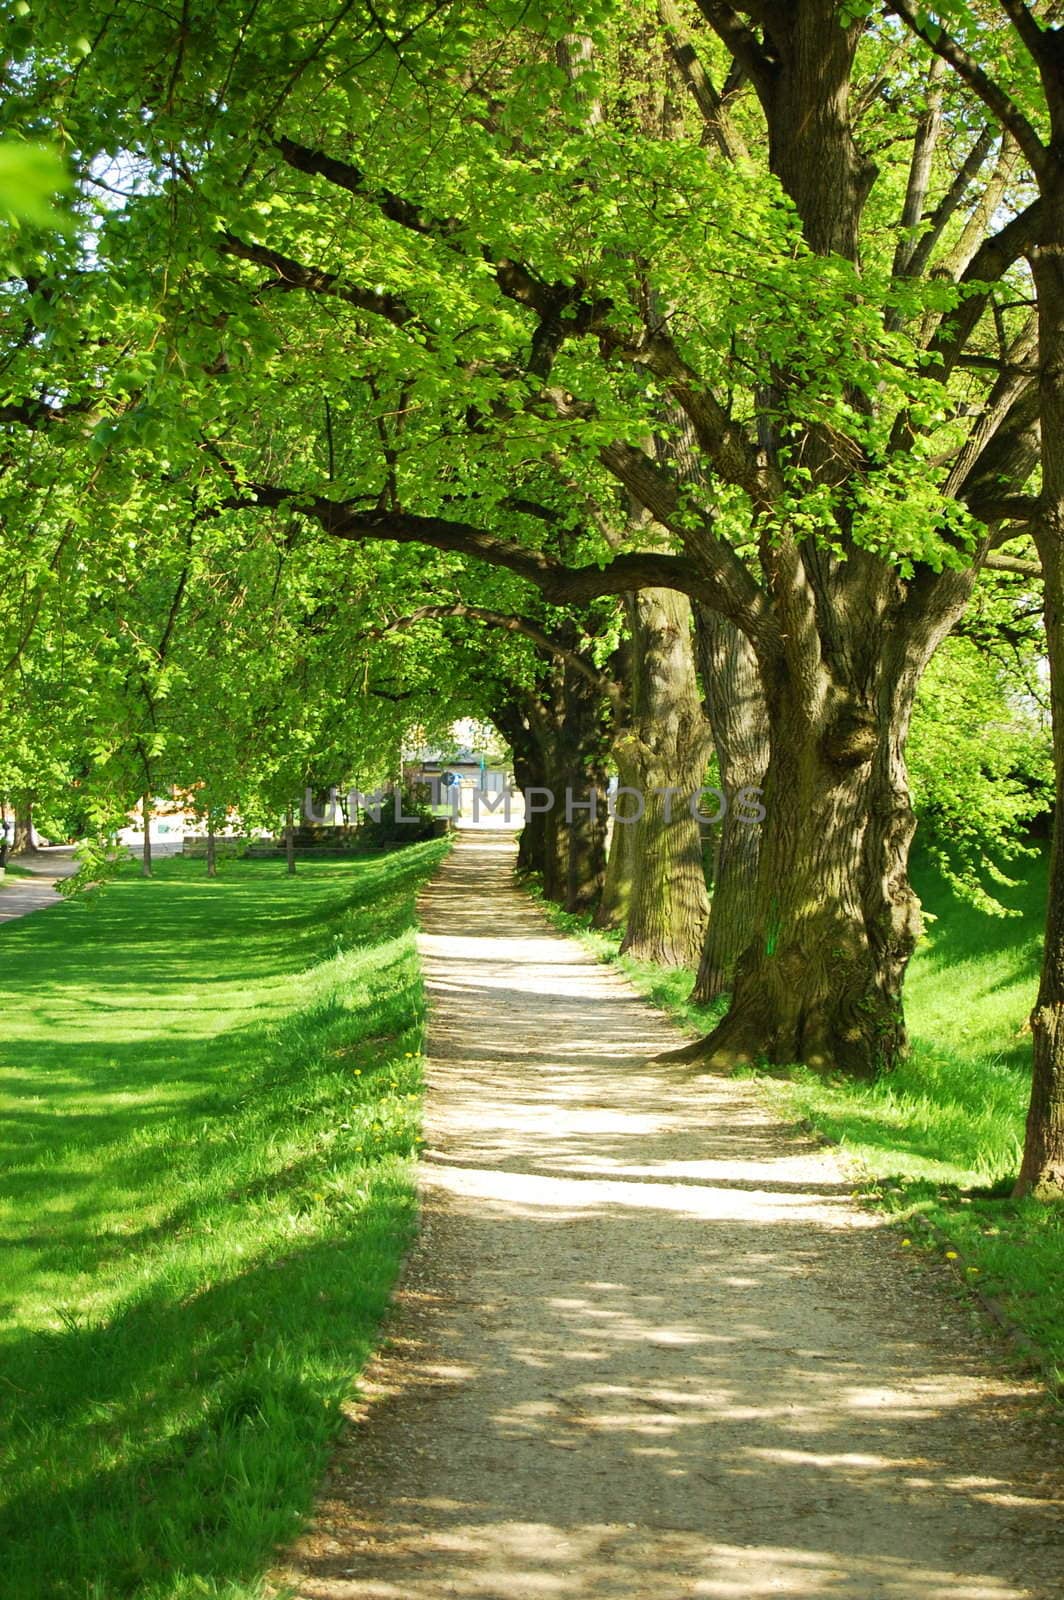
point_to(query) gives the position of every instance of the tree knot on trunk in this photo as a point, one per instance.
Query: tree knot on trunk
(850, 738)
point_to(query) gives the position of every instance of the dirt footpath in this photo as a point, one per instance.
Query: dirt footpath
(648, 1347)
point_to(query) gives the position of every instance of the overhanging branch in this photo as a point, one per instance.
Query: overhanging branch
(993, 96)
(511, 623)
(290, 275)
(556, 581)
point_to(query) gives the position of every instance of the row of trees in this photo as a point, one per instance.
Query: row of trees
(733, 335)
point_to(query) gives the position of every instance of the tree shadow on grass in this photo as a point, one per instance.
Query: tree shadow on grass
(184, 1436)
(219, 1218)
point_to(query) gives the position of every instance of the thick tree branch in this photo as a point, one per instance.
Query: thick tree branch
(516, 281)
(743, 43)
(1002, 444)
(1003, 563)
(1037, 40)
(728, 139)
(733, 592)
(925, 143)
(993, 96)
(730, 451)
(290, 274)
(39, 414)
(738, 595)
(511, 623)
(1017, 508)
(950, 203)
(989, 264)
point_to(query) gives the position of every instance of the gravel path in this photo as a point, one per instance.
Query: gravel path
(647, 1346)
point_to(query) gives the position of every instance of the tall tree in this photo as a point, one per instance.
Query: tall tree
(1017, 71)
(544, 278)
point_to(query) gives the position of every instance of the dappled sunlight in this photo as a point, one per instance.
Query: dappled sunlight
(200, 1229)
(649, 1348)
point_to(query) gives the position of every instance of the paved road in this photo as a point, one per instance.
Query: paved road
(20, 896)
(648, 1347)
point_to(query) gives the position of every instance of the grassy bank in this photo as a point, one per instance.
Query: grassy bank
(211, 1101)
(940, 1138)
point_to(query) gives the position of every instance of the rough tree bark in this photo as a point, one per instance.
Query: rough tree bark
(511, 719)
(22, 838)
(737, 716)
(835, 921)
(572, 729)
(614, 906)
(1042, 1168)
(559, 736)
(665, 749)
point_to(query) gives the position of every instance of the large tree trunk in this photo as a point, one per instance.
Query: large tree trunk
(835, 920)
(667, 748)
(586, 829)
(1042, 1168)
(739, 722)
(614, 906)
(512, 723)
(559, 736)
(569, 722)
(23, 838)
(212, 857)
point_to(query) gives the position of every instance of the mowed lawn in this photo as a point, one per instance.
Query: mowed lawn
(209, 1109)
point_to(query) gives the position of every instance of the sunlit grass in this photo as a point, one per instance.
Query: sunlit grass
(211, 1105)
(949, 1121)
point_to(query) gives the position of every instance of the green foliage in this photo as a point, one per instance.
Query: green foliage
(212, 1105)
(980, 760)
(98, 864)
(30, 176)
(405, 818)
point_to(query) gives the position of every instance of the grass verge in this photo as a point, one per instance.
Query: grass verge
(211, 1109)
(938, 1141)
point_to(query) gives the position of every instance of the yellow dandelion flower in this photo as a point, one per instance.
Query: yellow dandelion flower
(951, 1255)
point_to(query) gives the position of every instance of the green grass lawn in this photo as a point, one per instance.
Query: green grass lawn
(211, 1097)
(949, 1122)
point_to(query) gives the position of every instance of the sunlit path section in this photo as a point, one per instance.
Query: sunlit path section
(648, 1347)
(20, 896)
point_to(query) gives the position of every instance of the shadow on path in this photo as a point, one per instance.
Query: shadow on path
(648, 1347)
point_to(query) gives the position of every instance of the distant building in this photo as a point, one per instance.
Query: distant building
(171, 820)
(472, 785)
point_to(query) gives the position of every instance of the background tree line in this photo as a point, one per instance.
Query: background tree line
(710, 356)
